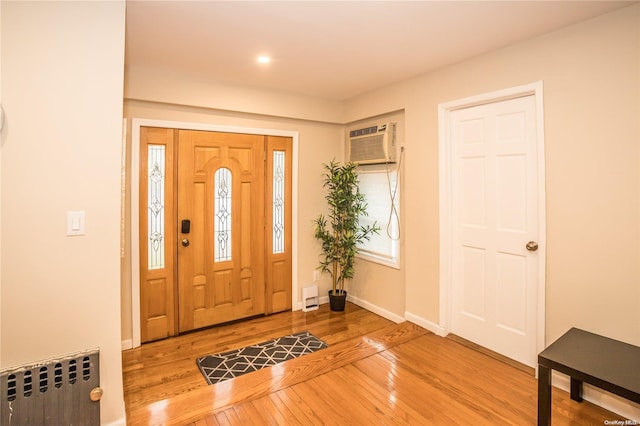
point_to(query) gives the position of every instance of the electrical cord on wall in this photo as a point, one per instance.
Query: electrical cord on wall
(393, 212)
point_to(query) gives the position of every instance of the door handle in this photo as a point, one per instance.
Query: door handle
(532, 246)
(185, 242)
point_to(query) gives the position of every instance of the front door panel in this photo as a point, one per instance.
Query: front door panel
(221, 258)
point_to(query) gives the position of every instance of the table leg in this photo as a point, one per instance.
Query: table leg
(544, 395)
(576, 389)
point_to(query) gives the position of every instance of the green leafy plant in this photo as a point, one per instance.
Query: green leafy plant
(339, 230)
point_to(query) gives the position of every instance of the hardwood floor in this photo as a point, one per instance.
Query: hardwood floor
(374, 372)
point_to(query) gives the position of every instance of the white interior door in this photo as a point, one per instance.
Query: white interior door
(494, 196)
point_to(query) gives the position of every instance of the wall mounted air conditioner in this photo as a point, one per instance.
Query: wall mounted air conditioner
(373, 144)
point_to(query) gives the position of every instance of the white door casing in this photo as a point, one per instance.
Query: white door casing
(492, 204)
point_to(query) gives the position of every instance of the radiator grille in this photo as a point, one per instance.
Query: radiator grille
(55, 392)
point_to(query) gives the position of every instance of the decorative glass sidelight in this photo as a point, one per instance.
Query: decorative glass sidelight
(155, 201)
(278, 201)
(222, 215)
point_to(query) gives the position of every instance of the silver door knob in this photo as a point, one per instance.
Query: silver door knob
(185, 242)
(532, 246)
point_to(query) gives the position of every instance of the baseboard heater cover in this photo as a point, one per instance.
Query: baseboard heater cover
(60, 391)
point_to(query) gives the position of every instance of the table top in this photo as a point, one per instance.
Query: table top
(613, 361)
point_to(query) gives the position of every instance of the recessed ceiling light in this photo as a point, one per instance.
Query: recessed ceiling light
(264, 59)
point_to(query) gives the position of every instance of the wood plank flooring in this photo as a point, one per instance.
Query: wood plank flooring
(374, 372)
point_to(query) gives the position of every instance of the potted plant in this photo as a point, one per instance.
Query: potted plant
(339, 231)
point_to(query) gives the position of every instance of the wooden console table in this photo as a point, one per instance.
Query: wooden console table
(587, 357)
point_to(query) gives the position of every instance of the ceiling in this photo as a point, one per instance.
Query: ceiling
(333, 49)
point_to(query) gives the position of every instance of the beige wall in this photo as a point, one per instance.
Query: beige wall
(62, 85)
(591, 76)
(152, 84)
(378, 287)
(1, 143)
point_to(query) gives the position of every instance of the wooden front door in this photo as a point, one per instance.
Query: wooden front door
(221, 193)
(230, 216)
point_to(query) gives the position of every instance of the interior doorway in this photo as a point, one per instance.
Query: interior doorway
(225, 215)
(492, 228)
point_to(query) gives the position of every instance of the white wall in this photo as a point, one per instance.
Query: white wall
(62, 80)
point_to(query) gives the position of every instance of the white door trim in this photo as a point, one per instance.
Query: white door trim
(445, 199)
(136, 123)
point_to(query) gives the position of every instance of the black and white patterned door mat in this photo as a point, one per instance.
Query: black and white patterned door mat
(219, 367)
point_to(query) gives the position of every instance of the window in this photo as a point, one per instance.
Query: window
(381, 189)
(222, 215)
(278, 201)
(155, 198)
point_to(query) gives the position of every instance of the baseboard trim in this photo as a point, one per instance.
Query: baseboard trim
(126, 344)
(375, 309)
(321, 301)
(621, 406)
(424, 323)
(120, 422)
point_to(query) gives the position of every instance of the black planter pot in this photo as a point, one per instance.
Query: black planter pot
(337, 301)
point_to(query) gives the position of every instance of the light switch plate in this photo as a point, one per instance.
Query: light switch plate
(75, 223)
